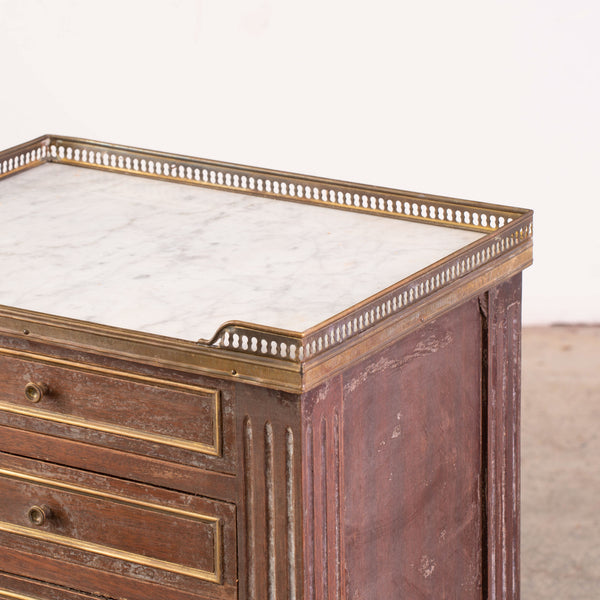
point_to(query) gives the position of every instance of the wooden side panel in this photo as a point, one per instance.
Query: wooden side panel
(414, 463)
(270, 492)
(503, 453)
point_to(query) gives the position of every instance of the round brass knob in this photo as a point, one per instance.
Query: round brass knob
(35, 391)
(38, 515)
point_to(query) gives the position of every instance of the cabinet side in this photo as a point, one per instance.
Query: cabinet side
(394, 469)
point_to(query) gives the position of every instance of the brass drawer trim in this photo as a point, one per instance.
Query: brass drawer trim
(211, 450)
(15, 596)
(215, 576)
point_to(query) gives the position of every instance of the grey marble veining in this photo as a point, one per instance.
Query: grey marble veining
(179, 260)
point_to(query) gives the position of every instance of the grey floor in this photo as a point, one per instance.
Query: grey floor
(560, 538)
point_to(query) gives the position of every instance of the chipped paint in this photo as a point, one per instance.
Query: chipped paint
(430, 345)
(427, 567)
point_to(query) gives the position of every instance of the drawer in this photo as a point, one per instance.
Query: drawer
(145, 415)
(102, 531)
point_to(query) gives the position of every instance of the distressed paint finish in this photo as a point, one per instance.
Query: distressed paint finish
(413, 465)
(395, 477)
(269, 495)
(19, 588)
(322, 424)
(117, 409)
(112, 515)
(370, 455)
(503, 451)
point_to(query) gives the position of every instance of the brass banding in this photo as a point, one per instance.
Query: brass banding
(15, 596)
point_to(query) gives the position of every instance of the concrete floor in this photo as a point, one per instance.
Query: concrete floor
(560, 537)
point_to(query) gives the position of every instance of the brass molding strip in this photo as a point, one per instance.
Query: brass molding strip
(323, 366)
(152, 349)
(401, 297)
(211, 450)
(15, 596)
(215, 522)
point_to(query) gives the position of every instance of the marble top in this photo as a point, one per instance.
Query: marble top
(178, 260)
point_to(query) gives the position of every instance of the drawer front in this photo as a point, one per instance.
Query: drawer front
(127, 529)
(145, 415)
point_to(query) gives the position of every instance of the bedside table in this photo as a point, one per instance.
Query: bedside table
(215, 386)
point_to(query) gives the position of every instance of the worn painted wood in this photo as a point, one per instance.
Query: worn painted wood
(115, 400)
(114, 515)
(412, 465)
(270, 495)
(119, 463)
(13, 587)
(503, 433)
(323, 494)
(397, 477)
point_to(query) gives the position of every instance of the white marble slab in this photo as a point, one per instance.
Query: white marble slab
(179, 260)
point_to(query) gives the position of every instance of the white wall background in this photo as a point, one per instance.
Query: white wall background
(495, 101)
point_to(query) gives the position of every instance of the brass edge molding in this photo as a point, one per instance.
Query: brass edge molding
(211, 450)
(127, 342)
(367, 314)
(110, 372)
(15, 596)
(150, 349)
(323, 366)
(109, 552)
(78, 489)
(215, 522)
